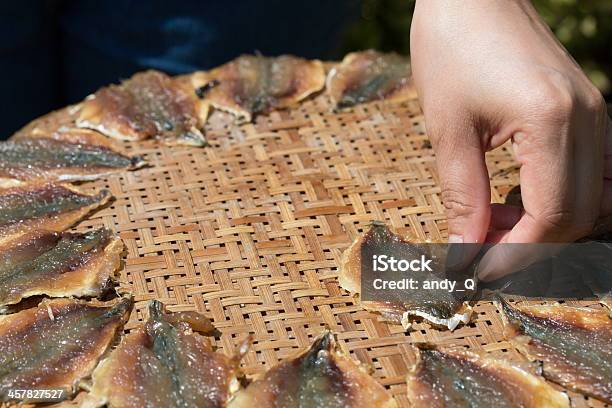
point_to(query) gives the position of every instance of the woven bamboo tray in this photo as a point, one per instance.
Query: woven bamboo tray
(250, 231)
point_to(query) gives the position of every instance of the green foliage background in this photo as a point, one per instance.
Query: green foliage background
(583, 26)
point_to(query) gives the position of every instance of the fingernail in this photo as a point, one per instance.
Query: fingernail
(455, 239)
(484, 268)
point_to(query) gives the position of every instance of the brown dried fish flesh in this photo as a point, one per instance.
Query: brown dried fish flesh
(574, 344)
(368, 76)
(322, 376)
(56, 344)
(253, 84)
(57, 264)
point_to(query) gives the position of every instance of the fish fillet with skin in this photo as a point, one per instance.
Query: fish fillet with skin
(439, 307)
(74, 135)
(574, 344)
(149, 104)
(57, 344)
(45, 159)
(57, 264)
(50, 123)
(458, 378)
(320, 377)
(53, 207)
(253, 84)
(61, 125)
(164, 363)
(369, 76)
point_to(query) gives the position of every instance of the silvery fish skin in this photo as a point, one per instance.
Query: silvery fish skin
(253, 84)
(53, 207)
(150, 104)
(56, 344)
(165, 364)
(46, 159)
(368, 76)
(574, 344)
(457, 378)
(320, 377)
(439, 307)
(57, 264)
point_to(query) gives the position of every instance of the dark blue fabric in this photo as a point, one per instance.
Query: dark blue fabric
(56, 52)
(29, 66)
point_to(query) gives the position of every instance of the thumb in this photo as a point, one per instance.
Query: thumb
(464, 180)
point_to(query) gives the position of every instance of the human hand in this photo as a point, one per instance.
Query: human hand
(488, 71)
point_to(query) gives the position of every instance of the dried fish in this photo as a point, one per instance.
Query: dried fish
(253, 84)
(52, 207)
(574, 344)
(57, 264)
(322, 376)
(43, 159)
(165, 364)
(50, 123)
(439, 307)
(457, 378)
(74, 135)
(56, 344)
(368, 76)
(61, 125)
(150, 104)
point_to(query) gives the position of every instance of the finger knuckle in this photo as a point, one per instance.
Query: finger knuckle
(456, 201)
(593, 100)
(584, 226)
(434, 124)
(555, 96)
(565, 225)
(557, 220)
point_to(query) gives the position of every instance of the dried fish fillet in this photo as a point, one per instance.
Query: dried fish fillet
(150, 104)
(56, 344)
(253, 84)
(436, 306)
(61, 125)
(165, 364)
(322, 376)
(51, 122)
(57, 264)
(52, 207)
(455, 378)
(574, 344)
(42, 159)
(368, 76)
(74, 135)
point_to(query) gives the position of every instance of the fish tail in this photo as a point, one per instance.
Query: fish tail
(137, 162)
(121, 308)
(103, 196)
(156, 309)
(324, 342)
